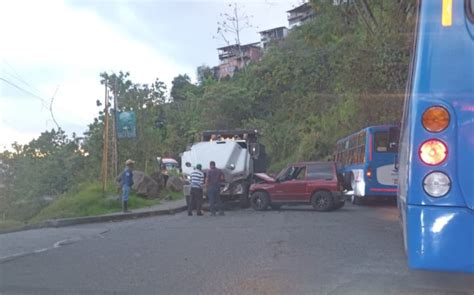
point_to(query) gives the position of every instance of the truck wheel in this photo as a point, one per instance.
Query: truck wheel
(259, 201)
(244, 201)
(322, 201)
(244, 198)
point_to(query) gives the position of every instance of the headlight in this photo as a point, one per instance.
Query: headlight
(232, 166)
(437, 184)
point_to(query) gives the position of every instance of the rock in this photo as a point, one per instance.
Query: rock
(175, 184)
(145, 185)
(158, 177)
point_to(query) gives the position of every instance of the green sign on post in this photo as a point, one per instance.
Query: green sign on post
(126, 125)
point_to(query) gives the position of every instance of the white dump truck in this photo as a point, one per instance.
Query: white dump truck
(236, 152)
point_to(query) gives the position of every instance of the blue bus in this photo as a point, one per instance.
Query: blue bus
(366, 162)
(436, 151)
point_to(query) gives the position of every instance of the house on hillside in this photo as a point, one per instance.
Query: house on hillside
(231, 60)
(305, 12)
(272, 35)
(339, 2)
(300, 15)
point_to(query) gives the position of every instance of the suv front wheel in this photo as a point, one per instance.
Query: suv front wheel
(322, 201)
(259, 200)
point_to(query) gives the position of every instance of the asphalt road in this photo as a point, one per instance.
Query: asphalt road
(356, 250)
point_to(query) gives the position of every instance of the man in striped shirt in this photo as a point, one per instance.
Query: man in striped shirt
(197, 182)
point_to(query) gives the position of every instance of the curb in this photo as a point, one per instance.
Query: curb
(96, 219)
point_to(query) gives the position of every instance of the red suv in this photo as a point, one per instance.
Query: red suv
(314, 183)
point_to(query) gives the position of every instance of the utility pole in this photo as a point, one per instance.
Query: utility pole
(105, 151)
(114, 133)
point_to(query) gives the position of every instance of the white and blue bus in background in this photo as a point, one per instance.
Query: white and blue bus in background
(366, 162)
(436, 152)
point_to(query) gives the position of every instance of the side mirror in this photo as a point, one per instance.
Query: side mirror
(396, 164)
(254, 150)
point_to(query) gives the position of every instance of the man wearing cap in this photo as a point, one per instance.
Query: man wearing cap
(126, 182)
(197, 182)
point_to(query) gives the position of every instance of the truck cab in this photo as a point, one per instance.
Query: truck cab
(236, 153)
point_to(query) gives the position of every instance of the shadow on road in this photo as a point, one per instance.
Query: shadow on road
(380, 203)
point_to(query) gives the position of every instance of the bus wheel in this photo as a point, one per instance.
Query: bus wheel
(355, 200)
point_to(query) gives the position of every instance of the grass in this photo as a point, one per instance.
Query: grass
(10, 224)
(88, 201)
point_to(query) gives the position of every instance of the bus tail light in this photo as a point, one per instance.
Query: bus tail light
(435, 119)
(437, 184)
(433, 152)
(369, 173)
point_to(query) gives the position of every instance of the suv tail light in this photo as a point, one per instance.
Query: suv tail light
(433, 152)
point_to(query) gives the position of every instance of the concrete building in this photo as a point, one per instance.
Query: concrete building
(272, 35)
(231, 60)
(299, 15)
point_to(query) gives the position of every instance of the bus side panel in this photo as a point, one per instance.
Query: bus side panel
(444, 76)
(438, 238)
(383, 182)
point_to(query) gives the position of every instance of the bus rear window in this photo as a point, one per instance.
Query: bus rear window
(381, 142)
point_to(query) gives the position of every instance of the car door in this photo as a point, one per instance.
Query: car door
(321, 176)
(293, 187)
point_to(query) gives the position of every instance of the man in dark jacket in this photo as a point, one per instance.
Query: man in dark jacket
(214, 178)
(126, 182)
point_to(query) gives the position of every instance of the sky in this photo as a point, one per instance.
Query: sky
(57, 49)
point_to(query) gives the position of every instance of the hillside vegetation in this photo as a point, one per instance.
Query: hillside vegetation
(344, 70)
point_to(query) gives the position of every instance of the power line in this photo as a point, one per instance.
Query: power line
(26, 91)
(17, 76)
(51, 108)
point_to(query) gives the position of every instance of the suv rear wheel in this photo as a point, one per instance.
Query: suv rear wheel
(259, 201)
(322, 201)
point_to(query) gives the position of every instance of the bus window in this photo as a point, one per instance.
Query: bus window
(381, 142)
(470, 10)
(393, 138)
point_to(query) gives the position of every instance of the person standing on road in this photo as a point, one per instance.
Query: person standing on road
(213, 185)
(197, 182)
(125, 180)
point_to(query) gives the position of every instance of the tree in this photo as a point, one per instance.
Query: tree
(231, 26)
(182, 88)
(205, 75)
